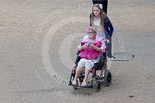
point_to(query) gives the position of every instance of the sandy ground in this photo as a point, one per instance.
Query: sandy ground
(38, 39)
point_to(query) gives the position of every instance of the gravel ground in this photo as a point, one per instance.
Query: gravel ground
(38, 39)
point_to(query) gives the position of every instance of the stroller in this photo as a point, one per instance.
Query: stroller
(96, 80)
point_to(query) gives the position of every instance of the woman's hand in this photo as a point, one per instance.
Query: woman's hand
(83, 47)
(92, 46)
(95, 48)
(108, 41)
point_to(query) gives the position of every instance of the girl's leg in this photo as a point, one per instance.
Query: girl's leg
(103, 70)
(105, 67)
(109, 51)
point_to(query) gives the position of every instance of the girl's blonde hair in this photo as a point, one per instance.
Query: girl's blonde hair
(101, 15)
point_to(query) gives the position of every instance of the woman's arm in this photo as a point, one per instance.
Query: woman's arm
(95, 48)
(82, 45)
(101, 48)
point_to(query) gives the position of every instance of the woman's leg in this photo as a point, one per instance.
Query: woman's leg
(88, 65)
(78, 71)
(84, 83)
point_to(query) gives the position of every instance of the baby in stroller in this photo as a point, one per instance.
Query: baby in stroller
(91, 47)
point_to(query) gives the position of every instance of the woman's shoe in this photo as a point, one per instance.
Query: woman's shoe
(74, 83)
(83, 84)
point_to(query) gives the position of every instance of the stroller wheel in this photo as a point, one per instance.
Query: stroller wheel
(75, 86)
(107, 78)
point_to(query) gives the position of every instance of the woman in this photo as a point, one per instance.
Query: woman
(103, 26)
(90, 48)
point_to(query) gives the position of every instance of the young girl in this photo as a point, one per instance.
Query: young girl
(103, 26)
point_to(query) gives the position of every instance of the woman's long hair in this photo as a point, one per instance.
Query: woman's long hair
(101, 15)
